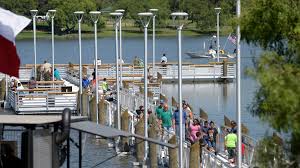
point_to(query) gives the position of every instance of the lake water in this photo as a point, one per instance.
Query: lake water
(215, 98)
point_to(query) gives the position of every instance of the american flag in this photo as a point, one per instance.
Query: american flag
(232, 39)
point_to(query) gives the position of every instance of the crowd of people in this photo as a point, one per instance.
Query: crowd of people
(166, 121)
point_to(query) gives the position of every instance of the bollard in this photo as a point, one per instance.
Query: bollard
(225, 63)
(2, 89)
(153, 147)
(125, 127)
(93, 110)
(140, 144)
(102, 111)
(85, 103)
(203, 114)
(195, 155)
(173, 153)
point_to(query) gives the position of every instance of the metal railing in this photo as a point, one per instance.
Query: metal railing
(51, 102)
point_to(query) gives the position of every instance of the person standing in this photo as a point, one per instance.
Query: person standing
(166, 119)
(176, 122)
(159, 109)
(56, 74)
(85, 82)
(104, 86)
(230, 145)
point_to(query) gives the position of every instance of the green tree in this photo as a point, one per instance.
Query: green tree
(21, 7)
(65, 20)
(275, 25)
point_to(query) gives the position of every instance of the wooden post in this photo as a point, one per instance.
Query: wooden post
(225, 63)
(125, 127)
(140, 147)
(203, 114)
(153, 147)
(85, 103)
(2, 89)
(173, 153)
(195, 155)
(102, 111)
(92, 109)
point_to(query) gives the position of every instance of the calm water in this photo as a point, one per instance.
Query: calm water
(217, 99)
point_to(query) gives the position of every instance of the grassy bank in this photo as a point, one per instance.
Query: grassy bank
(128, 30)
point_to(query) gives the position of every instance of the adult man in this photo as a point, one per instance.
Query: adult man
(176, 123)
(230, 145)
(166, 119)
(159, 109)
(46, 67)
(32, 84)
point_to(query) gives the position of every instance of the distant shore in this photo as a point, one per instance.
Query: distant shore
(163, 32)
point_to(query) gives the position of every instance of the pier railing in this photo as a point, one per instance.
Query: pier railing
(24, 102)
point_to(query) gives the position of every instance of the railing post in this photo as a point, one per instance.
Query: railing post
(194, 161)
(140, 147)
(125, 127)
(47, 102)
(173, 153)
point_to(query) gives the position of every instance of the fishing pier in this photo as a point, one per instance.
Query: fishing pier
(101, 118)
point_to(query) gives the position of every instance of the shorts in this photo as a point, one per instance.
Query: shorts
(231, 153)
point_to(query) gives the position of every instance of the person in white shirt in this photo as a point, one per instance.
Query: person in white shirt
(164, 60)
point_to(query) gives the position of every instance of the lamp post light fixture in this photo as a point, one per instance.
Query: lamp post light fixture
(33, 14)
(218, 11)
(95, 17)
(51, 14)
(145, 18)
(120, 46)
(179, 19)
(79, 15)
(117, 16)
(154, 11)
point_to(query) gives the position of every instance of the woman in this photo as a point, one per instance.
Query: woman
(194, 128)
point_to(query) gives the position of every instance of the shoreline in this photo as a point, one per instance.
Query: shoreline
(28, 34)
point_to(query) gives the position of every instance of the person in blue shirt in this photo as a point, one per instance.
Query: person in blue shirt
(85, 82)
(176, 122)
(56, 74)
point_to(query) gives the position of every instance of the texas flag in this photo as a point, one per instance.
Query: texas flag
(10, 26)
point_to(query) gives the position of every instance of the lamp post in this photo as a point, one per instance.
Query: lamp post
(218, 10)
(79, 15)
(120, 46)
(95, 18)
(51, 14)
(117, 16)
(238, 85)
(179, 18)
(145, 19)
(33, 14)
(154, 11)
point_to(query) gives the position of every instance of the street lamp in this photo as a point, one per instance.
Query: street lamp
(120, 47)
(117, 16)
(179, 19)
(33, 14)
(154, 11)
(218, 11)
(79, 15)
(238, 85)
(145, 19)
(95, 18)
(51, 14)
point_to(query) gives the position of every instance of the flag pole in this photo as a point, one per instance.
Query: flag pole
(238, 87)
